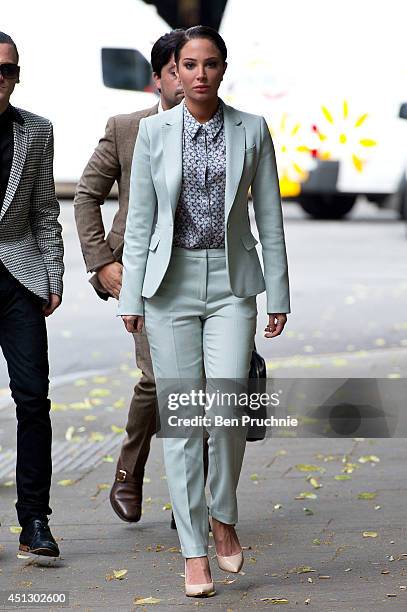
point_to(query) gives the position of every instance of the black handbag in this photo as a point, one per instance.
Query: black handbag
(257, 384)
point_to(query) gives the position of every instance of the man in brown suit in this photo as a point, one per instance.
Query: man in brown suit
(111, 162)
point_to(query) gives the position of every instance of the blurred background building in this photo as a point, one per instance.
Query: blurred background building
(186, 13)
(334, 99)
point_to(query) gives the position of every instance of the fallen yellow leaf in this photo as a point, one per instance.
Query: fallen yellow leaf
(134, 373)
(306, 495)
(139, 601)
(55, 406)
(116, 429)
(15, 529)
(370, 534)
(369, 459)
(314, 482)
(227, 581)
(309, 467)
(81, 382)
(96, 436)
(69, 433)
(85, 405)
(367, 495)
(349, 468)
(66, 483)
(119, 574)
(99, 392)
(99, 380)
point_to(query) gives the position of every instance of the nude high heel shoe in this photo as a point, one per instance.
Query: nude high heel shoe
(230, 563)
(198, 590)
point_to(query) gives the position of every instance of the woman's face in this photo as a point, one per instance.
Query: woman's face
(200, 69)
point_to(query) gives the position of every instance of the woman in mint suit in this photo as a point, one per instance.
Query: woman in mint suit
(191, 275)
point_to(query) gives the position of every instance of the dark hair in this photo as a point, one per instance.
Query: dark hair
(201, 31)
(163, 49)
(5, 39)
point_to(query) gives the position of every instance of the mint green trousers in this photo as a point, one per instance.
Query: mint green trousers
(194, 322)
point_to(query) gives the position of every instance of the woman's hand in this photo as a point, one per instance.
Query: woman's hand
(133, 323)
(276, 324)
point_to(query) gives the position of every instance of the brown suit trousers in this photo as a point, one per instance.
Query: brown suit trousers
(110, 163)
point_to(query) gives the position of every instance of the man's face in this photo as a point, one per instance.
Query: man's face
(171, 89)
(7, 56)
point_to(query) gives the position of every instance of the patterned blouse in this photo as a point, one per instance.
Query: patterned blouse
(200, 214)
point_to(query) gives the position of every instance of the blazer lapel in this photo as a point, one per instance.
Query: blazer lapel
(235, 151)
(235, 147)
(17, 166)
(172, 145)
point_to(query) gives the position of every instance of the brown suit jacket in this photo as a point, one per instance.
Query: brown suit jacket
(110, 162)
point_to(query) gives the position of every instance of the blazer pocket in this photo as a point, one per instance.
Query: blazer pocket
(249, 241)
(155, 239)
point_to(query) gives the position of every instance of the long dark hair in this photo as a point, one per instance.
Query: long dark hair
(201, 31)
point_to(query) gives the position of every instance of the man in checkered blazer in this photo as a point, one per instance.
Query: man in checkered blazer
(31, 269)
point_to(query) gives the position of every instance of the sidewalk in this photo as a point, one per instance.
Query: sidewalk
(308, 553)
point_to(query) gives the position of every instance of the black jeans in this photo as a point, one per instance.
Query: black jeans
(23, 340)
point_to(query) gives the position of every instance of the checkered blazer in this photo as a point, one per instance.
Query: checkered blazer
(31, 246)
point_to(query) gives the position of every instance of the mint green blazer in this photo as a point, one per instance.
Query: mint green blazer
(155, 186)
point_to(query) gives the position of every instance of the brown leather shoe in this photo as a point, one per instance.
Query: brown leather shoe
(126, 495)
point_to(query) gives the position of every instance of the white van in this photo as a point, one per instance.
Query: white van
(330, 78)
(81, 62)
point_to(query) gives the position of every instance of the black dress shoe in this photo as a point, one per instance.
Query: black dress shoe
(36, 538)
